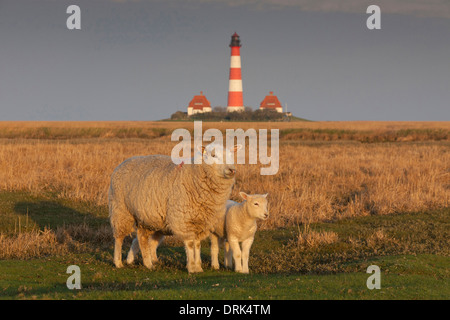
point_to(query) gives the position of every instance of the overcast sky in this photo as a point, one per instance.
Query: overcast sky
(144, 60)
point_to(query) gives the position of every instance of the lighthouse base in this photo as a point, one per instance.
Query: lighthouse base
(233, 109)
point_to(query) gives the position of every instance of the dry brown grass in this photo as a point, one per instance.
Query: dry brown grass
(37, 243)
(31, 244)
(311, 239)
(364, 131)
(317, 181)
(171, 125)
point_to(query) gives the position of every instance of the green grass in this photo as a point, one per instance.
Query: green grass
(403, 277)
(413, 255)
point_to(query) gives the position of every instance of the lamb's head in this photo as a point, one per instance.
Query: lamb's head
(256, 205)
(216, 158)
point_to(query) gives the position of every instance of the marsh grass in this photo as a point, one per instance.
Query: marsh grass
(345, 245)
(308, 238)
(31, 244)
(314, 247)
(339, 203)
(315, 260)
(317, 181)
(402, 135)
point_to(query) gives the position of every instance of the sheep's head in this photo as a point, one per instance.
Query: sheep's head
(256, 205)
(215, 157)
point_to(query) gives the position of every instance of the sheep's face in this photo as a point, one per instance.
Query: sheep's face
(257, 206)
(215, 156)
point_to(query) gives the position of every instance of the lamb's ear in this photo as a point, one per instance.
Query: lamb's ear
(243, 195)
(236, 147)
(265, 195)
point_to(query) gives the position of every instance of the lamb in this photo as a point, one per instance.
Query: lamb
(157, 197)
(237, 225)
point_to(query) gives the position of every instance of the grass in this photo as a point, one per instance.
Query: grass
(412, 251)
(347, 195)
(403, 277)
(296, 130)
(317, 180)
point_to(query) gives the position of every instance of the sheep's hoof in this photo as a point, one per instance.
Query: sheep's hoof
(198, 269)
(215, 267)
(194, 269)
(118, 264)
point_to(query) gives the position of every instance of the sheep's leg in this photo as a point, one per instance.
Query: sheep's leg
(143, 236)
(228, 255)
(190, 263)
(246, 245)
(197, 256)
(154, 242)
(118, 251)
(122, 225)
(237, 256)
(134, 250)
(214, 251)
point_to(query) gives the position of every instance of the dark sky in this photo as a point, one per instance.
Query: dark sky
(144, 60)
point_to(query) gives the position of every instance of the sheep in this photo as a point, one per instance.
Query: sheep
(157, 197)
(237, 225)
(154, 241)
(218, 238)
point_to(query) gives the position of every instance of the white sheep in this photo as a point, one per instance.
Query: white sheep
(237, 225)
(157, 197)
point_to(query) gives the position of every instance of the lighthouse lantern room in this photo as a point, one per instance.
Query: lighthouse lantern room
(235, 97)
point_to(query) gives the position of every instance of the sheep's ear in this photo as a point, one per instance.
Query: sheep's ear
(243, 195)
(265, 195)
(236, 148)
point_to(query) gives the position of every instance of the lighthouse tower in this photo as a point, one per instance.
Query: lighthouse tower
(235, 98)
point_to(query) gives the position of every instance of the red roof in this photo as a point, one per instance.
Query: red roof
(270, 102)
(199, 102)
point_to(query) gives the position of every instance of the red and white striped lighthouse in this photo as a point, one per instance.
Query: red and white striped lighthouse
(235, 98)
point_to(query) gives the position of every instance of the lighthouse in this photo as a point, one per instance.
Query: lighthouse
(235, 98)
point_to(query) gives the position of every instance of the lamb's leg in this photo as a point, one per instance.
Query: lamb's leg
(142, 236)
(118, 241)
(154, 242)
(197, 256)
(214, 251)
(246, 245)
(228, 254)
(190, 263)
(134, 250)
(234, 244)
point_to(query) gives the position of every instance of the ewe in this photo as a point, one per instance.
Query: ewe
(157, 197)
(237, 225)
